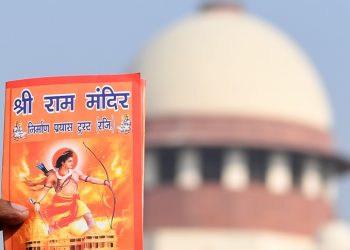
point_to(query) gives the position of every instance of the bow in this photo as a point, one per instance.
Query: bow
(110, 188)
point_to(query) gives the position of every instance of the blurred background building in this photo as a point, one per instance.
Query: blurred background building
(239, 147)
(240, 152)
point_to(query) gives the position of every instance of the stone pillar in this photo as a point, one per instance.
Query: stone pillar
(235, 174)
(279, 179)
(188, 170)
(151, 174)
(311, 180)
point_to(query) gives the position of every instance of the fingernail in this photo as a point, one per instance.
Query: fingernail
(19, 208)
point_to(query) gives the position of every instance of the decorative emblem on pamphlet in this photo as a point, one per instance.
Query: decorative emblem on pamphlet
(125, 126)
(18, 132)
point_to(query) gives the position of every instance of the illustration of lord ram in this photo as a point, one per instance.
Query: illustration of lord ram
(66, 206)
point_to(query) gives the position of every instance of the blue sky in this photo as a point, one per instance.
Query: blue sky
(43, 38)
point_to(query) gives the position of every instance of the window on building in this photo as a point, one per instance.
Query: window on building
(211, 163)
(167, 165)
(297, 169)
(257, 165)
(327, 169)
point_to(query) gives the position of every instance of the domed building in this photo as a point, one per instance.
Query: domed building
(239, 147)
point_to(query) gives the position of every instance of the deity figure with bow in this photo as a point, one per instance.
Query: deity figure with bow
(66, 206)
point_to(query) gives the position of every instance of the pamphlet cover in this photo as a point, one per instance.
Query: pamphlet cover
(73, 154)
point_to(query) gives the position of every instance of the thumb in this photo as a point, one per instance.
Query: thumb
(12, 214)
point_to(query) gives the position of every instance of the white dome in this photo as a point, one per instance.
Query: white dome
(230, 63)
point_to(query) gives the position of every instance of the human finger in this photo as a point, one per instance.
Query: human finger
(12, 214)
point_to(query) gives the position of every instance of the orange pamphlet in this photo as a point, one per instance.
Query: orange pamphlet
(73, 154)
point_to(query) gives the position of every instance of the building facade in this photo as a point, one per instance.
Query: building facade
(238, 133)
